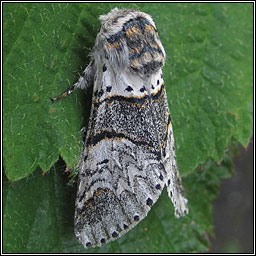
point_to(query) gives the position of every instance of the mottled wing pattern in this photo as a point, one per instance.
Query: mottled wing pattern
(126, 160)
(123, 173)
(173, 182)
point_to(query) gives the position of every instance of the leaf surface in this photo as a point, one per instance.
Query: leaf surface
(208, 78)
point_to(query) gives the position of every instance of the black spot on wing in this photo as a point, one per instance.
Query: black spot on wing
(109, 88)
(158, 186)
(136, 218)
(100, 93)
(114, 234)
(142, 89)
(88, 244)
(103, 162)
(149, 202)
(129, 88)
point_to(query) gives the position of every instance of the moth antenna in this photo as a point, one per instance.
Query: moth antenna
(64, 94)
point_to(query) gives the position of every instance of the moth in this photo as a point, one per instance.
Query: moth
(128, 155)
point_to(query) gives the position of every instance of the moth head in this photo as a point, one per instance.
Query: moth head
(113, 22)
(129, 39)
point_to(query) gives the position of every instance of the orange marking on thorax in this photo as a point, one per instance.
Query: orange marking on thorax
(132, 30)
(111, 46)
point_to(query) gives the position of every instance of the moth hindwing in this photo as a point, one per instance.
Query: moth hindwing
(128, 155)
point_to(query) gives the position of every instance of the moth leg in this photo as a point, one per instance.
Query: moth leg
(83, 82)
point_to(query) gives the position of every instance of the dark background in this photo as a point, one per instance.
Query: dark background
(233, 209)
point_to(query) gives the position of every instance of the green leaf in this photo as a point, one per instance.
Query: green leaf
(38, 216)
(36, 213)
(208, 77)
